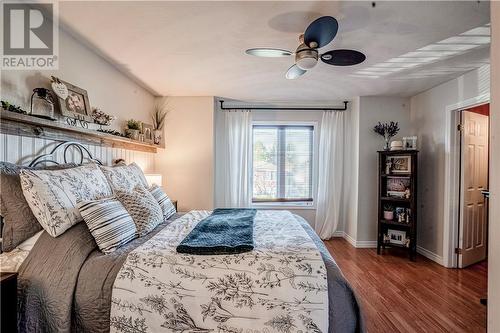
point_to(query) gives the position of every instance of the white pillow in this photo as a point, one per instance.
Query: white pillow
(109, 223)
(125, 177)
(164, 201)
(53, 194)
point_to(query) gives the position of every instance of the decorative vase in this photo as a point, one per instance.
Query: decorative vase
(133, 134)
(157, 137)
(388, 215)
(387, 145)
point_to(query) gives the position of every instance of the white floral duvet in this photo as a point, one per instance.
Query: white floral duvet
(281, 286)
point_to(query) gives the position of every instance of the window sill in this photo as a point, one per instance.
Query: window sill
(283, 205)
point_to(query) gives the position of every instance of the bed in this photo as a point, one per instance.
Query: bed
(66, 283)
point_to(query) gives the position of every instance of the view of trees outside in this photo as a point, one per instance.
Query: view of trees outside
(265, 163)
(269, 145)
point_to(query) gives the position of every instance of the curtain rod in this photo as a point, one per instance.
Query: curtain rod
(222, 107)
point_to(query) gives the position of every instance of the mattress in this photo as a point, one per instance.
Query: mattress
(10, 261)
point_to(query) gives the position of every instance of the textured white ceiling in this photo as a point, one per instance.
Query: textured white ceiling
(197, 48)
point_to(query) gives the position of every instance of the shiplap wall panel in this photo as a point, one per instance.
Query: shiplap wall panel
(22, 150)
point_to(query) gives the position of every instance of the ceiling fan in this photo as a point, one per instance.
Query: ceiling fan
(318, 34)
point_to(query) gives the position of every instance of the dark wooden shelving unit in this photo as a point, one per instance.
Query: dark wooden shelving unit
(409, 204)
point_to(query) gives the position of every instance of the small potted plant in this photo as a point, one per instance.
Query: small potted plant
(387, 130)
(388, 212)
(159, 114)
(133, 129)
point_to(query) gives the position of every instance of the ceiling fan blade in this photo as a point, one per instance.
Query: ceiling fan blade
(267, 52)
(343, 57)
(321, 32)
(294, 72)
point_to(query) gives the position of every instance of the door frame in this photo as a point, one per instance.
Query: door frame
(452, 177)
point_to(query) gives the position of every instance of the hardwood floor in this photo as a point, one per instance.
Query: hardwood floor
(397, 295)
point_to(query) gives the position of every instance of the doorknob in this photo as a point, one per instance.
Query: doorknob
(486, 193)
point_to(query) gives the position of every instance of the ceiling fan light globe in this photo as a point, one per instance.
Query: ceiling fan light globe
(306, 63)
(306, 58)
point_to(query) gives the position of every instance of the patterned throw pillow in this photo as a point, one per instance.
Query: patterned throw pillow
(53, 194)
(125, 177)
(143, 208)
(19, 223)
(109, 223)
(164, 201)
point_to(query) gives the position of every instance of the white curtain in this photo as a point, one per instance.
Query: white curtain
(236, 158)
(331, 166)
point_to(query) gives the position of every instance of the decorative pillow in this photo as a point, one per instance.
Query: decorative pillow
(53, 195)
(125, 177)
(166, 205)
(143, 207)
(109, 223)
(19, 223)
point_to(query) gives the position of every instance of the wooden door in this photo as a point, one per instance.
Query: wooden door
(474, 179)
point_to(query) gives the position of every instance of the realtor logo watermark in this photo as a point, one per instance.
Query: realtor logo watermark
(30, 35)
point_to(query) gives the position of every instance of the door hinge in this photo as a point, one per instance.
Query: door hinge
(460, 127)
(458, 250)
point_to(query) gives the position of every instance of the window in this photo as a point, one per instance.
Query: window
(282, 163)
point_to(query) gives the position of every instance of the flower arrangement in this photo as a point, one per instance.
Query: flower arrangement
(387, 130)
(102, 118)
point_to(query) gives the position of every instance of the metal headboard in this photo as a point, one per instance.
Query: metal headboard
(50, 158)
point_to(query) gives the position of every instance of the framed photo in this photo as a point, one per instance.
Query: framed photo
(76, 105)
(398, 184)
(401, 164)
(147, 130)
(410, 142)
(396, 236)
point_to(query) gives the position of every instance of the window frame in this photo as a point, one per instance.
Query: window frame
(305, 203)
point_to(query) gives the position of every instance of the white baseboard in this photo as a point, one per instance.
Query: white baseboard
(359, 244)
(351, 240)
(338, 234)
(366, 244)
(373, 244)
(430, 255)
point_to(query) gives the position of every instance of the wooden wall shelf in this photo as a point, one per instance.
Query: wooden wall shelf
(26, 125)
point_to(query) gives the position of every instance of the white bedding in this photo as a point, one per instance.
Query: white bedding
(280, 286)
(10, 261)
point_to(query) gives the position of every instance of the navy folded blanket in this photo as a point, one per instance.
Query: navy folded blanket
(225, 231)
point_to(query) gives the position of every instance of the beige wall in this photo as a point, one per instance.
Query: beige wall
(494, 228)
(351, 220)
(108, 88)
(373, 109)
(428, 118)
(187, 161)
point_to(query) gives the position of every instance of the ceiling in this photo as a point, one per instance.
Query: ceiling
(197, 48)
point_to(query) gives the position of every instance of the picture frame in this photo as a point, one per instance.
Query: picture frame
(147, 130)
(396, 236)
(410, 142)
(401, 164)
(397, 186)
(76, 105)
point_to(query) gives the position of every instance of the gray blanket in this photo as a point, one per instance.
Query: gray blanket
(65, 284)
